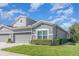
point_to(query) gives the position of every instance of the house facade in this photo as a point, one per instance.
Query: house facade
(25, 29)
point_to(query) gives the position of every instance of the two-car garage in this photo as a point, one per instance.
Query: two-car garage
(19, 38)
(17, 35)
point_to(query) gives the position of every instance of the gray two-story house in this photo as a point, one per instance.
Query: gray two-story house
(25, 29)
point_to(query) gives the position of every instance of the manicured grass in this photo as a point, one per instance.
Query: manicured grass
(64, 50)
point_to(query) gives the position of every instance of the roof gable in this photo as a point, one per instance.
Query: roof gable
(42, 22)
(23, 21)
(18, 19)
(5, 29)
(47, 23)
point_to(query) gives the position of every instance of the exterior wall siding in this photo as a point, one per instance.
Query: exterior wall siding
(59, 34)
(43, 26)
(23, 22)
(54, 32)
(19, 23)
(22, 30)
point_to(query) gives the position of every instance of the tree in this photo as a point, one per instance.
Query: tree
(74, 31)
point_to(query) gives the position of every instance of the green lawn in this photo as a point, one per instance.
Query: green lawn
(65, 50)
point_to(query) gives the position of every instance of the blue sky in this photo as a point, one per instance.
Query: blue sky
(62, 14)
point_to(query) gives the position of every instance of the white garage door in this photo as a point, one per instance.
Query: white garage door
(22, 38)
(4, 38)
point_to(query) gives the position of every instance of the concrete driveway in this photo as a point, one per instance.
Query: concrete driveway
(6, 45)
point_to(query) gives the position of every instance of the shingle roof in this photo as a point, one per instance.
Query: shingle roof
(48, 23)
(34, 25)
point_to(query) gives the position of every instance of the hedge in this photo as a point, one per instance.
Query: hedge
(42, 42)
(48, 42)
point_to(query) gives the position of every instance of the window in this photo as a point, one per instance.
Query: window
(42, 34)
(39, 34)
(20, 21)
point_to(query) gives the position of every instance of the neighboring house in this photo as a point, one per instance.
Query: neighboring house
(25, 29)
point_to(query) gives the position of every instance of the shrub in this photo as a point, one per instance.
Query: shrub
(42, 42)
(61, 41)
(76, 37)
(9, 40)
(69, 43)
(58, 41)
(71, 40)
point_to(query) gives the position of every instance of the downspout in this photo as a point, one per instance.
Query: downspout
(55, 38)
(31, 36)
(56, 31)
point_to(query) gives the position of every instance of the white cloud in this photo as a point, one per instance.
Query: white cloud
(62, 9)
(59, 12)
(59, 19)
(35, 6)
(50, 17)
(16, 11)
(68, 11)
(57, 6)
(10, 14)
(64, 14)
(1, 10)
(3, 4)
(66, 25)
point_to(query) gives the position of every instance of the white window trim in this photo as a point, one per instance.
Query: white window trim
(40, 30)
